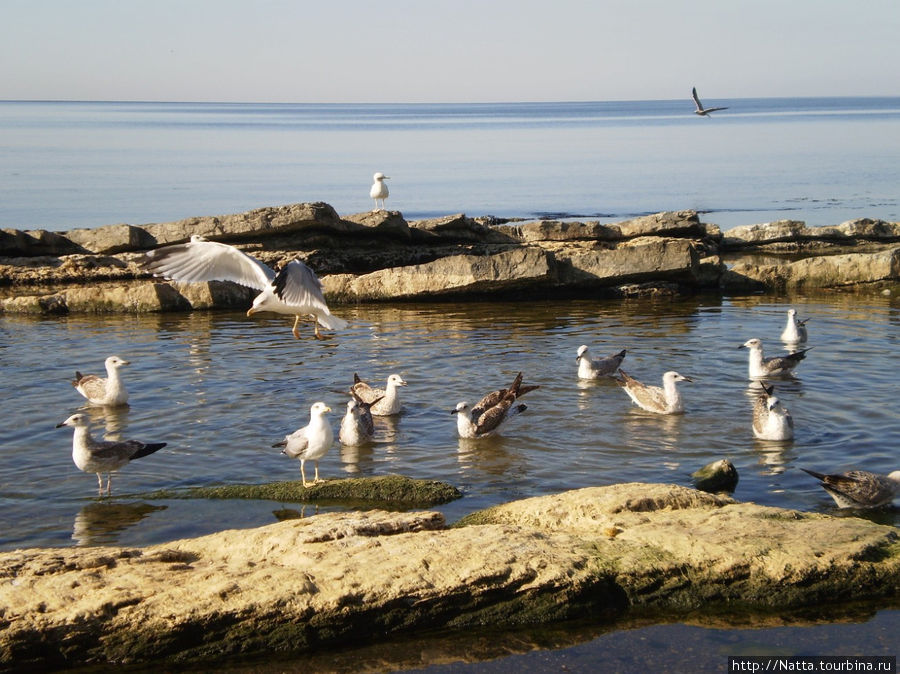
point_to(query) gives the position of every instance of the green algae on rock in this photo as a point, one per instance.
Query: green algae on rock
(386, 489)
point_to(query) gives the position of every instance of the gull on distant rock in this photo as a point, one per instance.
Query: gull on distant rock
(357, 426)
(778, 366)
(860, 488)
(492, 410)
(703, 112)
(379, 190)
(294, 290)
(795, 330)
(103, 391)
(103, 456)
(771, 421)
(384, 402)
(311, 442)
(589, 368)
(665, 400)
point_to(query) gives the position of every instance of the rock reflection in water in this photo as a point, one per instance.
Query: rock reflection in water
(100, 523)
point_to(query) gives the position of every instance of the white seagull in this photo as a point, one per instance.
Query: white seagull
(357, 426)
(294, 290)
(311, 442)
(771, 421)
(703, 112)
(103, 391)
(589, 368)
(384, 402)
(665, 400)
(379, 189)
(795, 330)
(103, 456)
(777, 366)
(860, 488)
(491, 411)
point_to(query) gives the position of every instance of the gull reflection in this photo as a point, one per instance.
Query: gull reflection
(357, 458)
(774, 455)
(113, 419)
(99, 523)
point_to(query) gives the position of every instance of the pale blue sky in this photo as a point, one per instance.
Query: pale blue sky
(445, 51)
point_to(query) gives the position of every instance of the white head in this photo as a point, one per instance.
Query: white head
(353, 408)
(378, 177)
(318, 409)
(752, 344)
(672, 376)
(581, 351)
(395, 380)
(114, 362)
(77, 420)
(791, 313)
(196, 238)
(895, 476)
(462, 408)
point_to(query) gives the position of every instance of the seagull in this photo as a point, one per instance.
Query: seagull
(103, 456)
(311, 442)
(860, 488)
(777, 366)
(491, 411)
(795, 330)
(357, 426)
(602, 367)
(384, 402)
(103, 391)
(703, 112)
(295, 290)
(665, 400)
(379, 189)
(771, 421)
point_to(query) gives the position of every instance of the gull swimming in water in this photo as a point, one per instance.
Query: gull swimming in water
(795, 330)
(311, 442)
(294, 290)
(860, 488)
(357, 426)
(103, 391)
(589, 368)
(103, 456)
(491, 411)
(384, 402)
(703, 112)
(379, 189)
(665, 400)
(777, 366)
(771, 421)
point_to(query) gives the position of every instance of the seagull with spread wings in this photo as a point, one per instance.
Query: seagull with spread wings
(703, 112)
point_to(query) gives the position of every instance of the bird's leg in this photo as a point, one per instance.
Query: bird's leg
(109, 484)
(316, 480)
(99, 484)
(302, 473)
(294, 329)
(316, 326)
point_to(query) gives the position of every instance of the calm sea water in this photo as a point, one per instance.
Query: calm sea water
(822, 160)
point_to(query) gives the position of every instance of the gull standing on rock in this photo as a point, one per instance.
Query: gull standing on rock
(860, 488)
(294, 290)
(771, 421)
(601, 367)
(103, 456)
(778, 366)
(103, 391)
(491, 411)
(795, 330)
(665, 400)
(384, 402)
(311, 442)
(357, 426)
(379, 190)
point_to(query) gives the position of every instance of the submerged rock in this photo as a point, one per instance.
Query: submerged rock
(718, 476)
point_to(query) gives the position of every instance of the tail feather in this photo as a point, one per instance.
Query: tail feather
(331, 322)
(148, 449)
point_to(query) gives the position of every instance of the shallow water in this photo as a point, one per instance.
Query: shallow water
(220, 389)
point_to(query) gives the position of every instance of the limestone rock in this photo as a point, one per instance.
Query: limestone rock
(637, 260)
(16, 243)
(385, 223)
(111, 239)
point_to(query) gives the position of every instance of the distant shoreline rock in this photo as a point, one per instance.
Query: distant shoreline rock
(379, 256)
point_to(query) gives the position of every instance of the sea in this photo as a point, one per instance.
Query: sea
(221, 388)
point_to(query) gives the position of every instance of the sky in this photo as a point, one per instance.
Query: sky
(350, 51)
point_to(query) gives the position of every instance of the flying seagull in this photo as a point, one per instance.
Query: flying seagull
(491, 411)
(103, 391)
(703, 112)
(379, 189)
(294, 290)
(860, 488)
(103, 456)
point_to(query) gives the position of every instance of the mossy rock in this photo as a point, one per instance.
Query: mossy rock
(385, 490)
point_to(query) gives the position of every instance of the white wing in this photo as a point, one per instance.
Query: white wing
(208, 261)
(296, 285)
